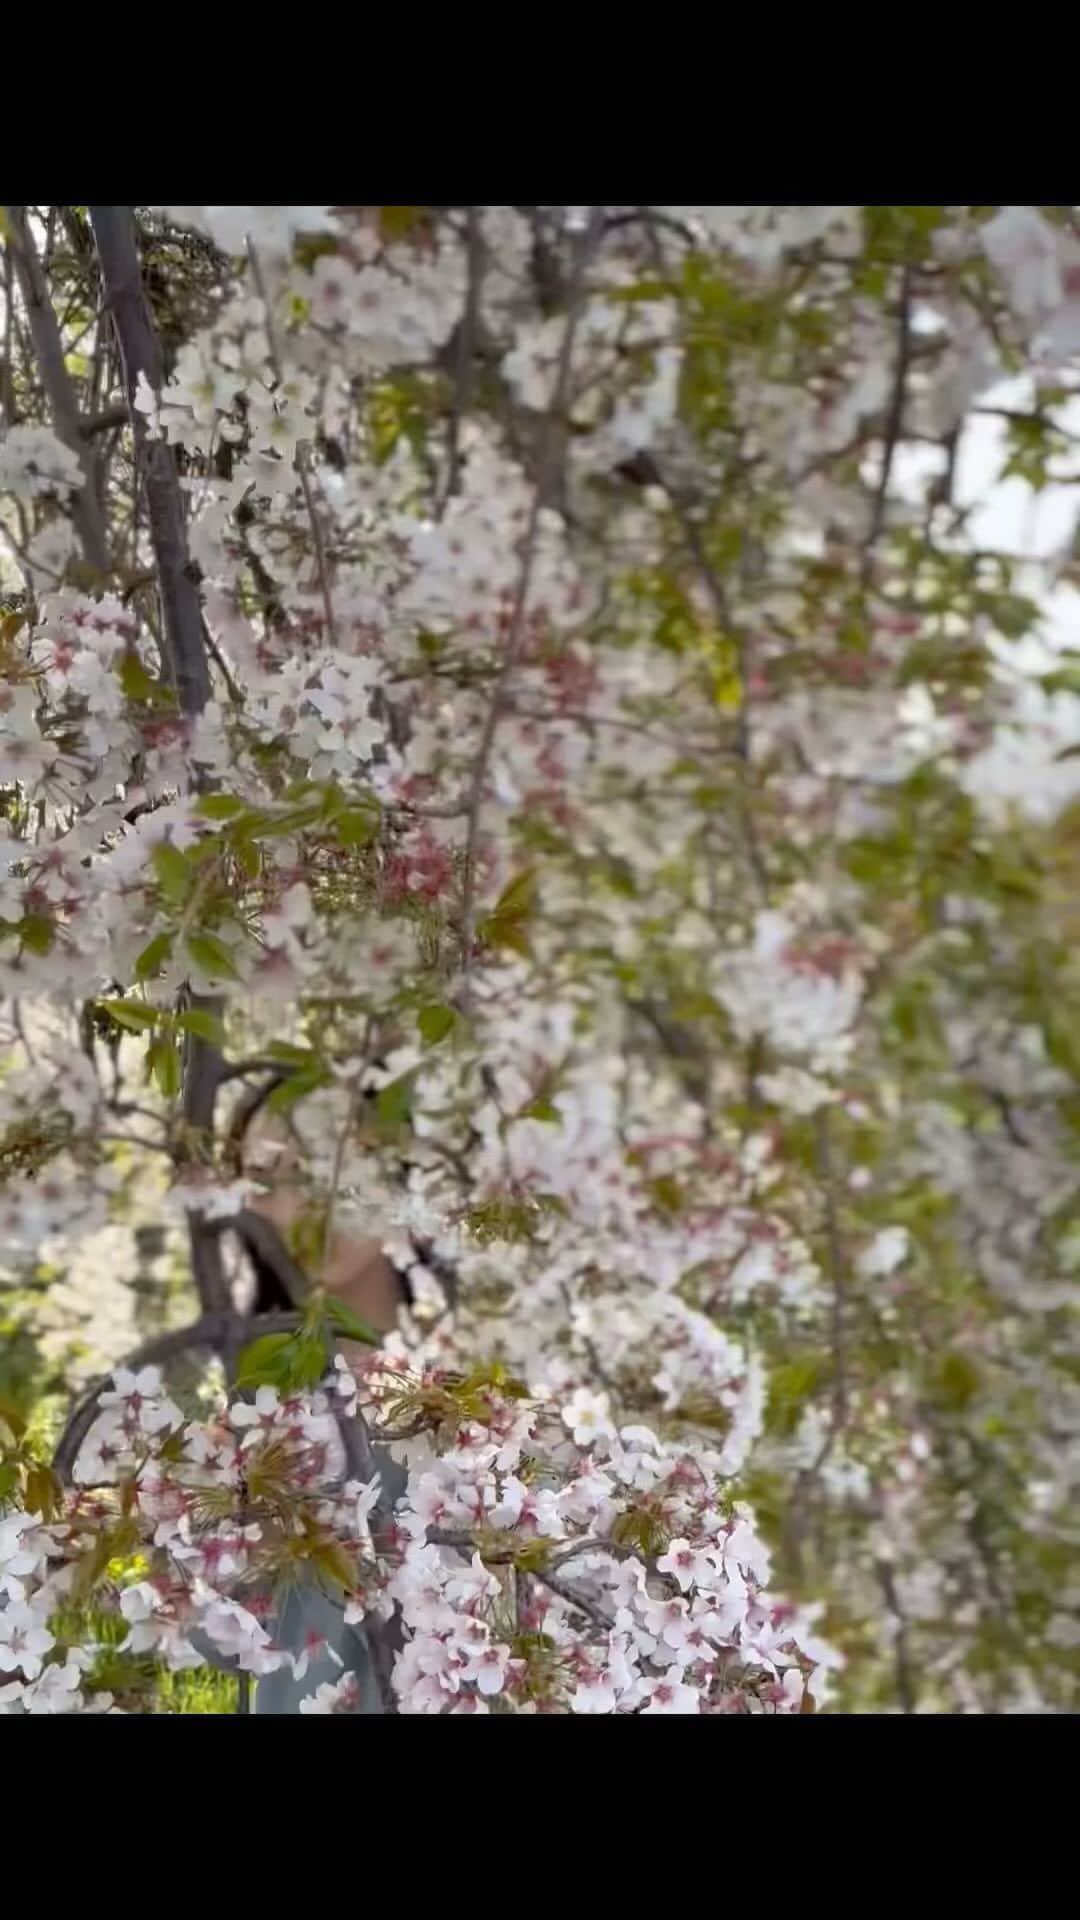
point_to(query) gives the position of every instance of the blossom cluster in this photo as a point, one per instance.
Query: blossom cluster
(629, 849)
(538, 1560)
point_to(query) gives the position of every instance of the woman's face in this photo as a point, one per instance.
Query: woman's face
(355, 1268)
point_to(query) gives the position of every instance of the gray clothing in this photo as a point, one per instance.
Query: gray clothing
(308, 1611)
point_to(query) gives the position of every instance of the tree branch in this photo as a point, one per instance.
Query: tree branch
(246, 1110)
(140, 353)
(894, 425)
(49, 352)
(104, 422)
(184, 643)
(464, 357)
(905, 1684)
(263, 1240)
(207, 1333)
(565, 1592)
(321, 561)
(554, 430)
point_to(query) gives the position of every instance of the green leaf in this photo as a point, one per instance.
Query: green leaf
(497, 931)
(435, 1023)
(42, 1492)
(295, 1088)
(37, 933)
(958, 1379)
(247, 856)
(266, 826)
(136, 682)
(309, 1362)
(1061, 1038)
(505, 925)
(131, 1014)
(304, 789)
(541, 1109)
(790, 1387)
(532, 1558)
(284, 1360)
(393, 1103)
(1064, 679)
(211, 956)
(13, 1417)
(728, 692)
(220, 806)
(518, 898)
(398, 222)
(1012, 614)
(204, 1025)
(350, 1323)
(356, 826)
(163, 1059)
(265, 1362)
(289, 1055)
(153, 956)
(172, 870)
(667, 1193)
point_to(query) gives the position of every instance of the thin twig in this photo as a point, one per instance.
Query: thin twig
(49, 351)
(837, 1271)
(207, 1334)
(140, 353)
(301, 466)
(905, 1684)
(683, 509)
(465, 350)
(239, 1069)
(894, 425)
(335, 1171)
(103, 422)
(573, 1599)
(554, 427)
(262, 1239)
(7, 397)
(184, 647)
(245, 1112)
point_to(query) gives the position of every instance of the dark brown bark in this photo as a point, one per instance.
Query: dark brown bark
(184, 638)
(140, 353)
(49, 352)
(205, 1335)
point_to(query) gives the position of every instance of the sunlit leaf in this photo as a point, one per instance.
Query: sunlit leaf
(163, 1060)
(211, 956)
(132, 1014)
(349, 1323)
(173, 872)
(153, 956)
(205, 1025)
(435, 1022)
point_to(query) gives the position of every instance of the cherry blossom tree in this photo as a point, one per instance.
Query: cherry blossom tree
(508, 713)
